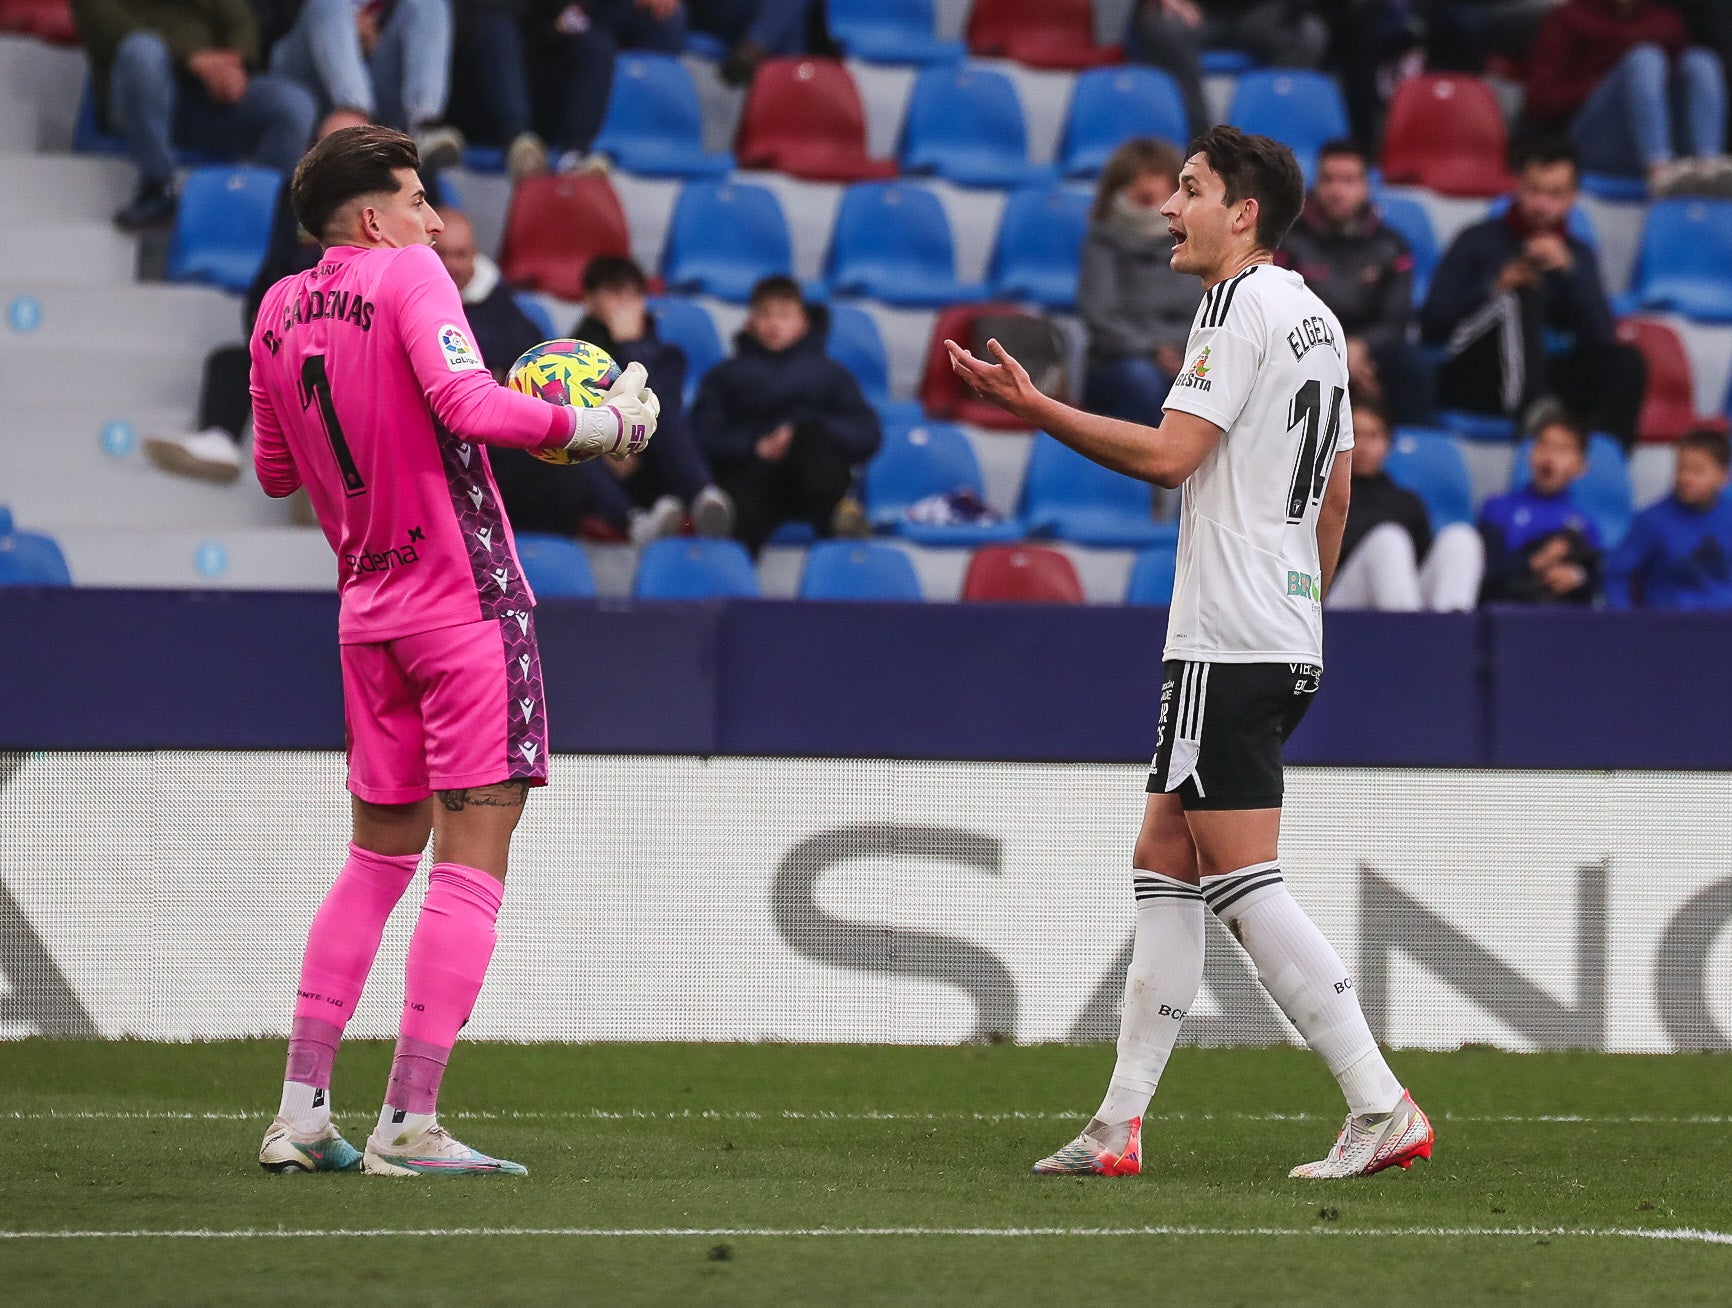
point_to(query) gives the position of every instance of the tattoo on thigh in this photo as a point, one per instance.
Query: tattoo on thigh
(506, 794)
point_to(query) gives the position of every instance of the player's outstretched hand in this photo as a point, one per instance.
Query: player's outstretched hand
(1006, 383)
(624, 422)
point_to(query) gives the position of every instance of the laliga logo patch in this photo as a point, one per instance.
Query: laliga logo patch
(460, 355)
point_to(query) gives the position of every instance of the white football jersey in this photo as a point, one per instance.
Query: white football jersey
(1268, 365)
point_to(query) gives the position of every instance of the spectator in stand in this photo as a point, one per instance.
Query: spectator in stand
(1506, 284)
(1137, 310)
(1463, 35)
(1634, 96)
(1678, 554)
(755, 30)
(1390, 560)
(181, 72)
(1710, 24)
(783, 424)
(1362, 268)
(1172, 34)
(387, 60)
(1540, 548)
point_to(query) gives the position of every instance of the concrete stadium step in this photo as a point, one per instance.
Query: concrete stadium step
(88, 253)
(51, 187)
(286, 558)
(40, 85)
(140, 377)
(157, 315)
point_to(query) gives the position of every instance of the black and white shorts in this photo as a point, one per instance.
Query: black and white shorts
(1222, 728)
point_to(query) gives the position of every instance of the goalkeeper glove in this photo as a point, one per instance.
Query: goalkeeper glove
(624, 422)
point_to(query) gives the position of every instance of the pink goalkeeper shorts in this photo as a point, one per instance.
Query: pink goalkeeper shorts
(445, 710)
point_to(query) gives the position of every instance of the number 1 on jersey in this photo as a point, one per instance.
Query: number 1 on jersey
(316, 385)
(1311, 471)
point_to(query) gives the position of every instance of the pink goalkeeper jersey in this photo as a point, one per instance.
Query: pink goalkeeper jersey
(367, 389)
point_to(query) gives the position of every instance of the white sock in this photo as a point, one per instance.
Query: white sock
(1305, 976)
(394, 1124)
(1160, 987)
(306, 1108)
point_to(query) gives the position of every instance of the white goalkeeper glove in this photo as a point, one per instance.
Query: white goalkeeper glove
(623, 424)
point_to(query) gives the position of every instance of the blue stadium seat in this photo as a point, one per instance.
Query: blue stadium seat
(965, 123)
(89, 138)
(1430, 464)
(534, 310)
(1151, 579)
(1604, 490)
(1408, 216)
(223, 226)
(1039, 247)
(892, 241)
(1302, 109)
(654, 123)
(1685, 261)
(858, 570)
(855, 343)
(1075, 499)
(928, 458)
(1225, 61)
(687, 324)
(1110, 105)
(725, 237)
(695, 568)
(891, 32)
(1477, 426)
(28, 559)
(554, 566)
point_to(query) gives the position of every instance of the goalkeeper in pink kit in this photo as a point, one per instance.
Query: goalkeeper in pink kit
(368, 390)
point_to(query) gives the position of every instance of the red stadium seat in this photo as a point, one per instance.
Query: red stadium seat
(556, 226)
(942, 393)
(49, 19)
(1027, 574)
(1039, 33)
(1669, 404)
(803, 117)
(1446, 132)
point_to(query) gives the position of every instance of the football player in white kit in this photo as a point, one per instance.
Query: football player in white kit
(1251, 433)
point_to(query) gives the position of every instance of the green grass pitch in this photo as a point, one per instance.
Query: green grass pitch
(837, 1175)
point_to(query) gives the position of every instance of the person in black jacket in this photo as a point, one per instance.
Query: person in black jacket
(783, 424)
(1508, 284)
(1362, 268)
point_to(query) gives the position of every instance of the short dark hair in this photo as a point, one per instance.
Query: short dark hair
(1137, 157)
(613, 272)
(1578, 433)
(1259, 168)
(1543, 152)
(1712, 443)
(1344, 147)
(776, 288)
(1364, 400)
(345, 166)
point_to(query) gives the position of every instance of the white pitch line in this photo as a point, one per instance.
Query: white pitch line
(795, 1115)
(1686, 1235)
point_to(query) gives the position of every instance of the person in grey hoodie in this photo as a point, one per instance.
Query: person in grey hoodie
(1137, 310)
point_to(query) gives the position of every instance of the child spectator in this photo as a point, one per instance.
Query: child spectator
(1678, 554)
(783, 425)
(1540, 548)
(1390, 560)
(1137, 310)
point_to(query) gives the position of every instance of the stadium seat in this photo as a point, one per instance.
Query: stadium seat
(921, 460)
(965, 123)
(1039, 33)
(28, 559)
(555, 567)
(1073, 498)
(1151, 579)
(891, 31)
(654, 123)
(1226, 61)
(1492, 427)
(803, 117)
(1108, 106)
(687, 324)
(1603, 491)
(1431, 465)
(695, 568)
(1669, 403)
(534, 310)
(1302, 109)
(1685, 261)
(1408, 216)
(1039, 246)
(892, 241)
(48, 20)
(1030, 574)
(1446, 132)
(855, 343)
(858, 570)
(223, 225)
(556, 225)
(724, 238)
(942, 393)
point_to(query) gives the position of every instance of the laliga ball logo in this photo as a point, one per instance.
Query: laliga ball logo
(564, 372)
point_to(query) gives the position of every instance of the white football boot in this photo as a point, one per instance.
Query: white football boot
(1368, 1144)
(432, 1152)
(209, 455)
(288, 1150)
(1098, 1152)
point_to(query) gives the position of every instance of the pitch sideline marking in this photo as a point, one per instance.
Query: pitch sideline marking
(1688, 1235)
(795, 1115)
